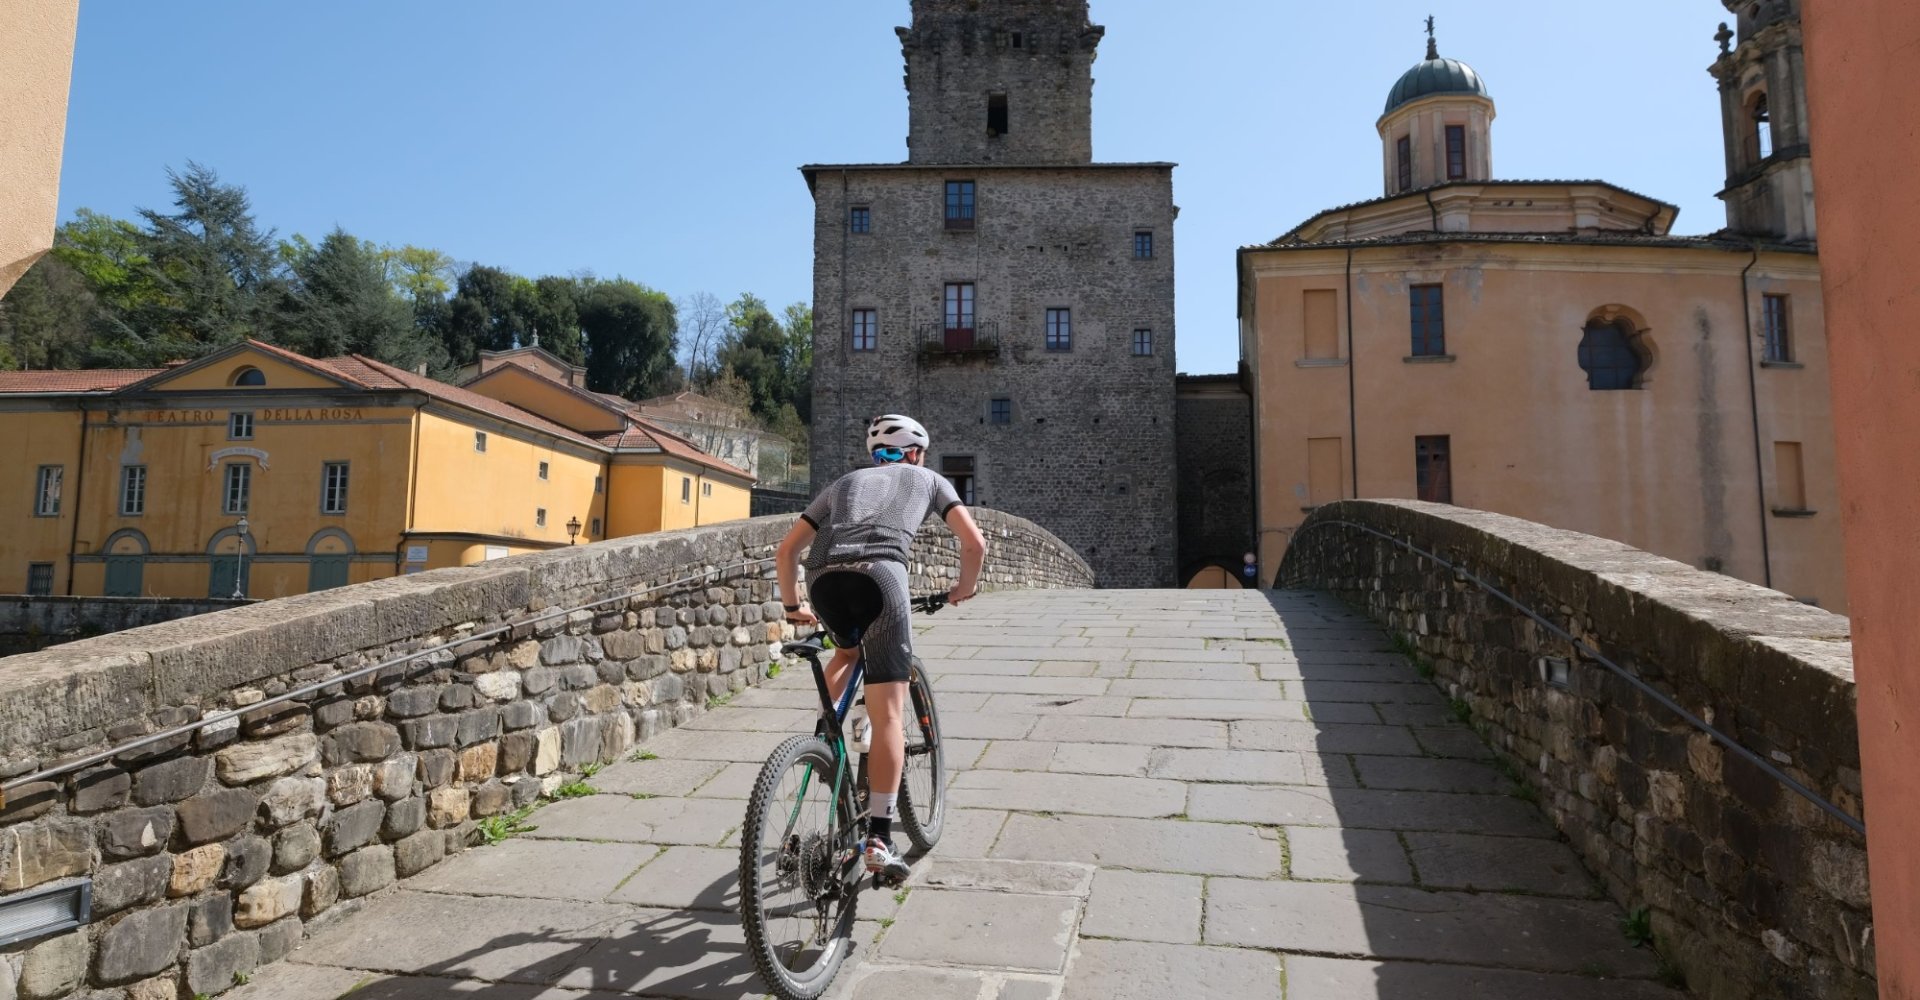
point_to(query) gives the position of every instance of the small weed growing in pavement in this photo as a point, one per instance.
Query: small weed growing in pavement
(639, 755)
(1461, 710)
(573, 790)
(240, 978)
(1403, 645)
(773, 670)
(900, 897)
(886, 922)
(642, 796)
(495, 829)
(589, 770)
(1637, 926)
(717, 700)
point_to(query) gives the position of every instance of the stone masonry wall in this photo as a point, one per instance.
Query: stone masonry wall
(1088, 452)
(1752, 890)
(1038, 54)
(1213, 437)
(210, 852)
(33, 623)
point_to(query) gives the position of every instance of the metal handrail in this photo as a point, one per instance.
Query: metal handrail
(933, 338)
(89, 760)
(1649, 690)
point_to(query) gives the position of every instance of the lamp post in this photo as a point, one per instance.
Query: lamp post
(573, 529)
(239, 558)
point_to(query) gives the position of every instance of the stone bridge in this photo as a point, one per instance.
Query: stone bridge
(1384, 783)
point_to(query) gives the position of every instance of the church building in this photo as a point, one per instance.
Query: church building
(1007, 290)
(1551, 349)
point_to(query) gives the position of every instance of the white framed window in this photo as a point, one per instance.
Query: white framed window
(333, 488)
(46, 490)
(599, 484)
(706, 489)
(594, 530)
(540, 517)
(686, 489)
(240, 426)
(133, 490)
(239, 487)
(543, 470)
(480, 441)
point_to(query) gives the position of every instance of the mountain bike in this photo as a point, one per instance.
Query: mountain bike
(800, 849)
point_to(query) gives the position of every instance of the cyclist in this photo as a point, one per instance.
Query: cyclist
(857, 535)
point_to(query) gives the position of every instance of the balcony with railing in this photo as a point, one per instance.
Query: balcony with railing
(938, 340)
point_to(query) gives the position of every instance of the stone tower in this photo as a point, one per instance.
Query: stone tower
(1009, 292)
(1763, 111)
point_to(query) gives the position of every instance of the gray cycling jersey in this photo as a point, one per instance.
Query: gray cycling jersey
(872, 514)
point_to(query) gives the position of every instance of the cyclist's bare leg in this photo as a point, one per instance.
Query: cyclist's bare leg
(888, 757)
(839, 669)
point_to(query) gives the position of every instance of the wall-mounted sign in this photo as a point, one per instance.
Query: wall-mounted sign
(416, 553)
(307, 414)
(224, 453)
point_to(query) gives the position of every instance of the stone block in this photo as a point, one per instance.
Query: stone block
(43, 850)
(579, 742)
(419, 852)
(490, 799)
(290, 800)
(562, 650)
(353, 827)
(501, 686)
(274, 720)
(539, 680)
(564, 706)
(516, 752)
(262, 904)
(521, 715)
(295, 847)
(546, 758)
(579, 677)
(211, 969)
(54, 967)
(435, 731)
(333, 712)
(170, 781)
(211, 920)
(447, 807)
(479, 725)
(216, 815)
(131, 833)
(362, 742)
(369, 869)
(602, 699)
(350, 784)
(394, 778)
(436, 767)
(101, 788)
(478, 762)
(1840, 870)
(130, 883)
(404, 817)
(323, 890)
(158, 988)
(248, 859)
(413, 702)
(279, 939)
(196, 869)
(142, 944)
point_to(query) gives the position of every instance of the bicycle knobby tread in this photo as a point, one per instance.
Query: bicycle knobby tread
(783, 758)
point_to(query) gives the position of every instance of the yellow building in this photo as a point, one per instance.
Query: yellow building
(296, 474)
(1550, 350)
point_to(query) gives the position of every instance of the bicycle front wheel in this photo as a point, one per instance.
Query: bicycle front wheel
(796, 855)
(923, 797)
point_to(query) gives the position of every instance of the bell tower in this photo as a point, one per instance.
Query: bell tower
(1000, 81)
(1763, 113)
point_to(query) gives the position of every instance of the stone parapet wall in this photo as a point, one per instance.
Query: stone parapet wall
(210, 851)
(1752, 890)
(29, 623)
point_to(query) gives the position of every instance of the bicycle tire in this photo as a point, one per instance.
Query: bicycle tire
(817, 859)
(923, 812)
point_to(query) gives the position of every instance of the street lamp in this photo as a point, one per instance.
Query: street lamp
(573, 529)
(239, 558)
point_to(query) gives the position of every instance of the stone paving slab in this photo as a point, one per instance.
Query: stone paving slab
(1144, 906)
(1245, 766)
(1143, 844)
(1545, 935)
(546, 869)
(428, 933)
(639, 821)
(1314, 978)
(1331, 853)
(998, 930)
(688, 878)
(1101, 758)
(656, 777)
(1057, 704)
(1145, 732)
(1426, 774)
(1224, 709)
(1370, 809)
(1131, 970)
(1498, 864)
(988, 684)
(1324, 737)
(734, 782)
(1049, 878)
(1045, 791)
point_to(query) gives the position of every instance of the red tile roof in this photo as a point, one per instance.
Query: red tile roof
(89, 380)
(379, 375)
(645, 435)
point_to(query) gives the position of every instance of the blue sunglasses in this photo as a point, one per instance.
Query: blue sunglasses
(882, 455)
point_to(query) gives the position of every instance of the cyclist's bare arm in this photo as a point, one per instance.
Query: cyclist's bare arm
(973, 553)
(787, 569)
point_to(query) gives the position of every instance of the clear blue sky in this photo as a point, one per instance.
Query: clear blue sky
(658, 139)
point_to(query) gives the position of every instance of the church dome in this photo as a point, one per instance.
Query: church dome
(1435, 76)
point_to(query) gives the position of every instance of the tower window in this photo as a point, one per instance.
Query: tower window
(1456, 152)
(1429, 320)
(866, 330)
(997, 114)
(957, 334)
(1016, 39)
(1143, 245)
(1142, 343)
(1403, 155)
(1762, 129)
(959, 204)
(1059, 329)
(860, 220)
(1779, 333)
(1001, 411)
(1433, 468)
(1610, 356)
(959, 470)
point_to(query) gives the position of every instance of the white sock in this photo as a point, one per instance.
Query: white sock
(880, 804)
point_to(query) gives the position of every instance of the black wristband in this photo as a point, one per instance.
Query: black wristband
(791, 608)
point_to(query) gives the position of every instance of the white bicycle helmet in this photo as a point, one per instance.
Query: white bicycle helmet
(895, 431)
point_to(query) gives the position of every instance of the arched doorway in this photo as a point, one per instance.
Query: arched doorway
(329, 556)
(229, 563)
(126, 553)
(1213, 578)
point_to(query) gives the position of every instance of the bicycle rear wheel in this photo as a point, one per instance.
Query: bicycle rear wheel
(923, 797)
(796, 852)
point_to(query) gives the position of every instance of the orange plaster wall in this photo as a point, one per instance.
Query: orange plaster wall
(1862, 104)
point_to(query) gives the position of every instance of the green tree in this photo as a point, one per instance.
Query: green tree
(551, 312)
(799, 327)
(341, 302)
(419, 273)
(756, 349)
(481, 316)
(213, 269)
(630, 337)
(47, 319)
